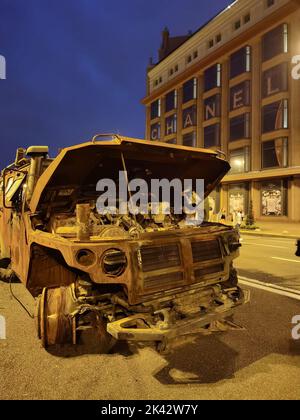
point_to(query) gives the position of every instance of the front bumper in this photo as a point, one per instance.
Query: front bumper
(129, 328)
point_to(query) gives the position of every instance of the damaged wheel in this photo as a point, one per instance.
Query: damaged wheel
(58, 323)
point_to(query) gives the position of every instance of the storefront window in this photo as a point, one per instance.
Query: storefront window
(189, 90)
(189, 117)
(274, 198)
(239, 160)
(155, 131)
(275, 116)
(171, 100)
(240, 95)
(212, 77)
(238, 199)
(240, 62)
(240, 127)
(274, 153)
(171, 125)
(212, 135)
(275, 42)
(212, 107)
(189, 139)
(275, 80)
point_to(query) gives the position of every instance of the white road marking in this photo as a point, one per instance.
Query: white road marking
(278, 290)
(284, 241)
(268, 246)
(286, 259)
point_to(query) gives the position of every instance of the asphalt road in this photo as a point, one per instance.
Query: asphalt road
(270, 260)
(258, 362)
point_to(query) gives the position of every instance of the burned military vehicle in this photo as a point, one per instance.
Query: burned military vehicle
(102, 278)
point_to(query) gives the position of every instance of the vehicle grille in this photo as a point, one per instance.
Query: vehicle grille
(160, 257)
(163, 281)
(203, 271)
(206, 250)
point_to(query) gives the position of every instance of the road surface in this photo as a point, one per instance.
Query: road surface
(270, 260)
(260, 362)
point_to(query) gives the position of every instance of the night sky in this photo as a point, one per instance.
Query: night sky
(78, 67)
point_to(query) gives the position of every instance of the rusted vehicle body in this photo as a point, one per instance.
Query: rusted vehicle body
(103, 278)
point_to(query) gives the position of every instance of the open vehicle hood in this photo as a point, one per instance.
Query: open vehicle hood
(77, 169)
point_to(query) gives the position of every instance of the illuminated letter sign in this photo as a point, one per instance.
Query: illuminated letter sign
(240, 95)
(212, 107)
(155, 132)
(189, 117)
(171, 125)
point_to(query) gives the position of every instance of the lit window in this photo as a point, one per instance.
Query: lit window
(240, 62)
(275, 116)
(212, 136)
(212, 77)
(156, 109)
(274, 198)
(274, 153)
(190, 90)
(239, 160)
(275, 42)
(171, 101)
(240, 127)
(189, 139)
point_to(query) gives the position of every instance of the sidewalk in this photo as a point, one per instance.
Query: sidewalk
(277, 229)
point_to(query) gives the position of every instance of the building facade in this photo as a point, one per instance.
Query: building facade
(234, 86)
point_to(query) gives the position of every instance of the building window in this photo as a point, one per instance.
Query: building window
(212, 136)
(247, 18)
(156, 109)
(176, 68)
(240, 95)
(270, 3)
(218, 38)
(274, 198)
(189, 59)
(239, 160)
(210, 43)
(155, 131)
(240, 62)
(195, 54)
(189, 139)
(237, 25)
(275, 153)
(189, 117)
(171, 101)
(212, 77)
(171, 71)
(212, 107)
(275, 80)
(275, 116)
(172, 141)
(171, 125)
(275, 42)
(190, 90)
(240, 127)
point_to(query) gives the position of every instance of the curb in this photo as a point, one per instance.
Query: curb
(269, 287)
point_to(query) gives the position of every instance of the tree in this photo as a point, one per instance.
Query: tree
(250, 216)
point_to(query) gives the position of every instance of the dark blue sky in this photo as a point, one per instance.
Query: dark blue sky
(77, 67)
